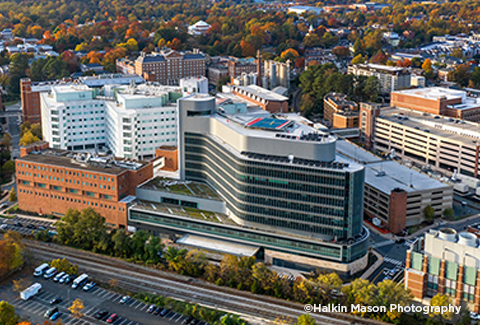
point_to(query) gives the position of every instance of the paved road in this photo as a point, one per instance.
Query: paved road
(14, 128)
(133, 312)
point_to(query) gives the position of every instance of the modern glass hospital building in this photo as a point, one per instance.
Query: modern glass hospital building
(253, 183)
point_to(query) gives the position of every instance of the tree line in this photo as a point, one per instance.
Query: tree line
(319, 80)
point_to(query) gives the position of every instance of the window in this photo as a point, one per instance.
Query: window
(57, 188)
(90, 194)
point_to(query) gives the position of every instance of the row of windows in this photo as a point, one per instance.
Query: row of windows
(72, 173)
(68, 199)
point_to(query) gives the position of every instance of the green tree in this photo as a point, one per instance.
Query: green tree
(152, 249)
(221, 82)
(83, 229)
(138, 242)
(372, 88)
(7, 314)
(448, 213)
(388, 293)
(122, 244)
(428, 213)
(305, 320)
(176, 259)
(13, 195)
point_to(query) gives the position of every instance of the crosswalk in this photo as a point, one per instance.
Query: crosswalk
(392, 261)
(383, 243)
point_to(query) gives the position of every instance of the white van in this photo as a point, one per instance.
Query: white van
(50, 272)
(40, 269)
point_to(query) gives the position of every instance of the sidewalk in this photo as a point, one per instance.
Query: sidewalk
(374, 266)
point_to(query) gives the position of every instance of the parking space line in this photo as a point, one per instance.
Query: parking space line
(174, 315)
(135, 304)
(144, 307)
(181, 316)
(124, 320)
(130, 322)
(99, 291)
(107, 295)
(89, 311)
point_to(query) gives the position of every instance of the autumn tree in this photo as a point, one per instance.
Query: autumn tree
(20, 284)
(76, 308)
(7, 140)
(28, 138)
(7, 314)
(63, 265)
(305, 320)
(440, 300)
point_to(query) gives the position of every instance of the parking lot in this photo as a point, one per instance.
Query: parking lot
(26, 226)
(133, 312)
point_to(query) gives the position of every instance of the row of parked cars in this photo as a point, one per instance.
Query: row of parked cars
(155, 310)
(49, 272)
(63, 277)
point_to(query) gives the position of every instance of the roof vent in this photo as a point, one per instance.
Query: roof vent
(467, 239)
(448, 234)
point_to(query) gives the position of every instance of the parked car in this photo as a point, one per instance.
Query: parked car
(89, 286)
(63, 278)
(101, 314)
(187, 320)
(151, 309)
(17, 224)
(30, 226)
(67, 279)
(56, 300)
(157, 310)
(112, 318)
(164, 312)
(50, 312)
(125, 299)
(57, 277)
(55, 316)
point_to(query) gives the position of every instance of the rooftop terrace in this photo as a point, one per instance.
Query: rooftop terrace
(181, 187)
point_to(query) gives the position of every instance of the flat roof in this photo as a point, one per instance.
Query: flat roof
(433, 93)
(352, 151)
(446, 127)
(218, 245)
(262, 93)
(268, 123)
(176, 186)
(388, 175)
(78, 160)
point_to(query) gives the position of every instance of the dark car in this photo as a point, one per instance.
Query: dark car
(195, 322)
(17, 224)
(101, 314)
(187, 320)
(164, 312)
(157, 310)
(151, 309)
(56, 300)
(30, 226)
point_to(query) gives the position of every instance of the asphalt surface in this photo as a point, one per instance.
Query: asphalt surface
(13, 123)
(25, 226)
(133, 312)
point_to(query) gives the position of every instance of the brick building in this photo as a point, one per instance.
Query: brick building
(170, 153)
(437, 100)
(168, 66)
(340, 112)
(30, 96)
(50, 181)
(395, 195)
(445, 262)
